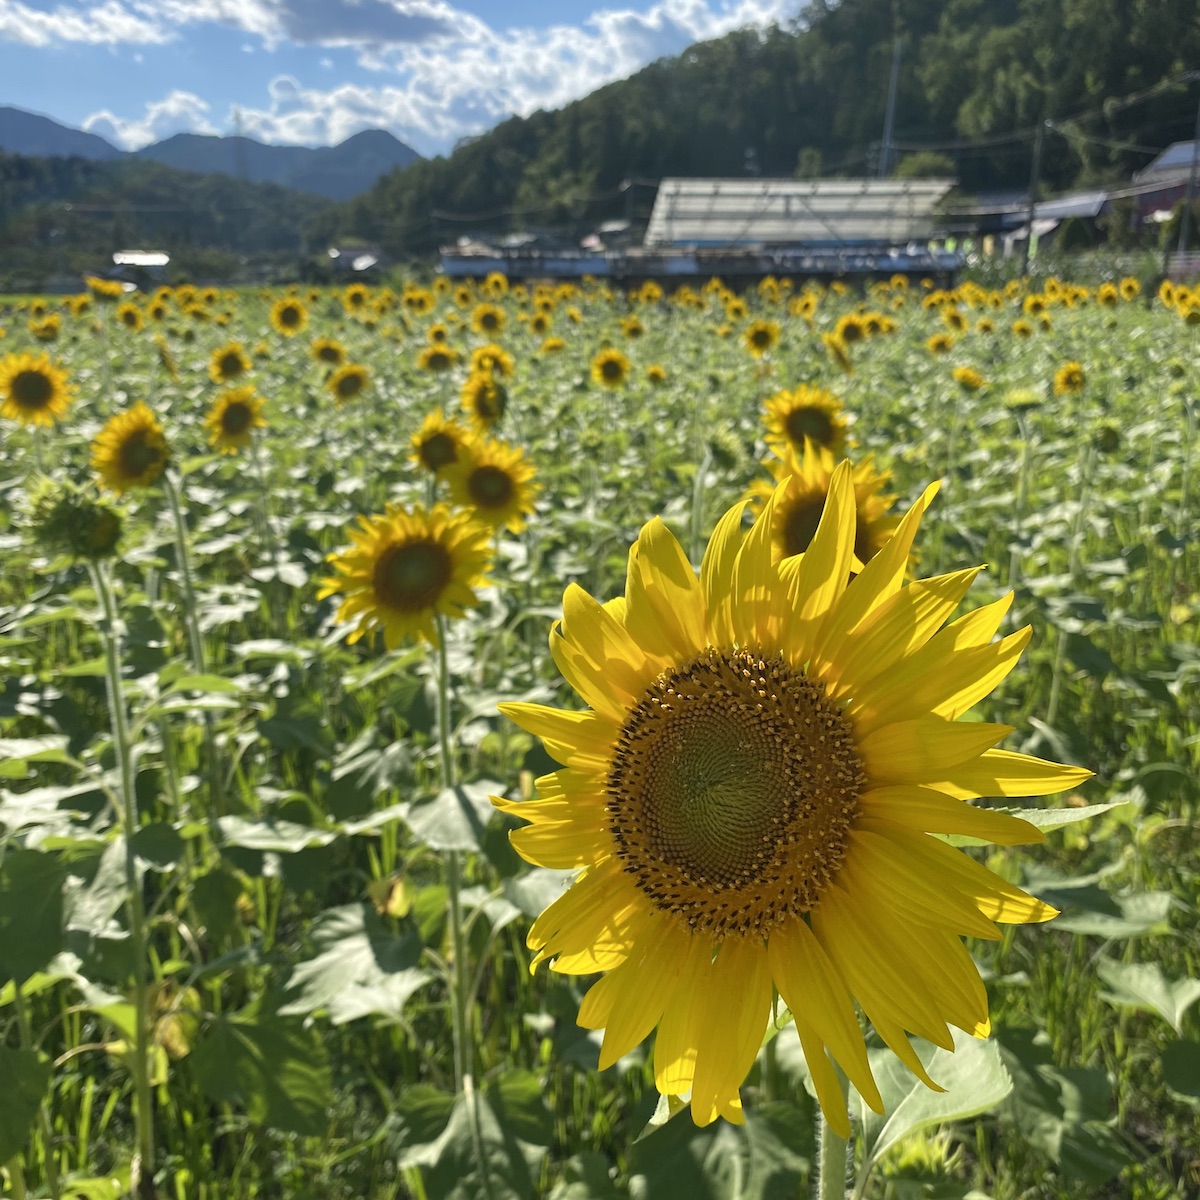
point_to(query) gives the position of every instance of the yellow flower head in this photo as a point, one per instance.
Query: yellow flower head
(754, 799)
(492, 360)
(808, 474)
(130, 451)
(656, 373)
(805, 414)
(494, 482)
(632, 327)
(437, 358)
(438, 443)
(33, 391)
(105, 289)
(484, 400)
(610, 368)
(228, 362)
(850, 329)
(233, 418)
(129, 315)
(1068, 378)
(939, 343)
(487, 319)
(349, 382)
(760, 336)
(969, 379)
(328, 352)
(288, 316)
(404, 568)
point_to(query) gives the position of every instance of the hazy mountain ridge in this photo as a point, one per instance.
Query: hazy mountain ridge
(336, 172)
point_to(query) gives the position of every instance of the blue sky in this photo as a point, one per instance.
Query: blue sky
(317, 71)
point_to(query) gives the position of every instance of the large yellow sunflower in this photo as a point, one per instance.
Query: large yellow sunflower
(349, 382)
(484, 399)
(228, 362)
(33, 391)
(233, 418)
(754, 798)
(495, 482)
(805, 414)
(288, 316)
(797, 510)
(130, 451)
(438, 443)
(404, 567)
(610, 368)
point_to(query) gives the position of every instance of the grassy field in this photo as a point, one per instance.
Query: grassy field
(258, 915)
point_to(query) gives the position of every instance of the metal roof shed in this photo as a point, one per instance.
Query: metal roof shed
(792, 212)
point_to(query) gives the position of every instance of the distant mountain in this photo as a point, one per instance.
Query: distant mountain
(336, 172)
(29, 133)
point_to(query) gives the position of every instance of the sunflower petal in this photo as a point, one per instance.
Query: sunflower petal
(921, 749)
(716, 575)
(1006, 773)
(928, 811)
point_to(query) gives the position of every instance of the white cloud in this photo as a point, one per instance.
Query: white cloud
(437, 74)
(107, 24)
(180, 112)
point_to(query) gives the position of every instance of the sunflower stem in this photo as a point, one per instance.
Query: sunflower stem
(832, 1152)
(111, 633)
(195, 641)
(458, 981)
(44, 1126)
(1014, 557)
(696, 532)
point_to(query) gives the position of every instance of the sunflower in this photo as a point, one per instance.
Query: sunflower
(609, 368)
(288, 316)
(1107, 295)
(228, 362)
(1068, 378)
(328, 352)
(130, 316)
(106, 289)
(33, 391)
(969, 379)
(494, 482)
(437, 358)
(1022, 328)
(349, 382)
(850, 329)
(233, 418)
(355, 297)
(437, 334)
(492, 360)
(539, 323)
(1130, 288)
(483, 399)
(130, 451)
(404, 568)
(760, 337)
(656, 373)
(755, 800)
(806, 414)
(798, 508)
(939, 343)
(632, 327)
(552, 345)
(438, 443)
(487, 318)
(46, 329)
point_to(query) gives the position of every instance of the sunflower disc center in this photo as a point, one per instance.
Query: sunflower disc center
(411, 576)
(139, 454)
(491, 487)
(236, 418)
(732, 787)
(611, 369)
(438, 450)
(811, 423)
(32, 389)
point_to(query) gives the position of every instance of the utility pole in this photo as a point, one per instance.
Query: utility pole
(1035, 178)
(889, 120)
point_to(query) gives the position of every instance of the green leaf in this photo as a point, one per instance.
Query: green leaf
(159, 845)
(1121, 917)
(279, 837)
(26, 1075)
(1143, 985)
(768, 1158)
(49, 749)
(585, 1177)
(31, 913)
(1181, 1070)
(359, 969)
(973, 1076)
(456, 818)
(271, 1066)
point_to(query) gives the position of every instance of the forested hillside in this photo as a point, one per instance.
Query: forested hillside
(975, 77)
(65, 215)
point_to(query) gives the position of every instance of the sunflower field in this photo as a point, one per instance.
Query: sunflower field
(500, 740)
